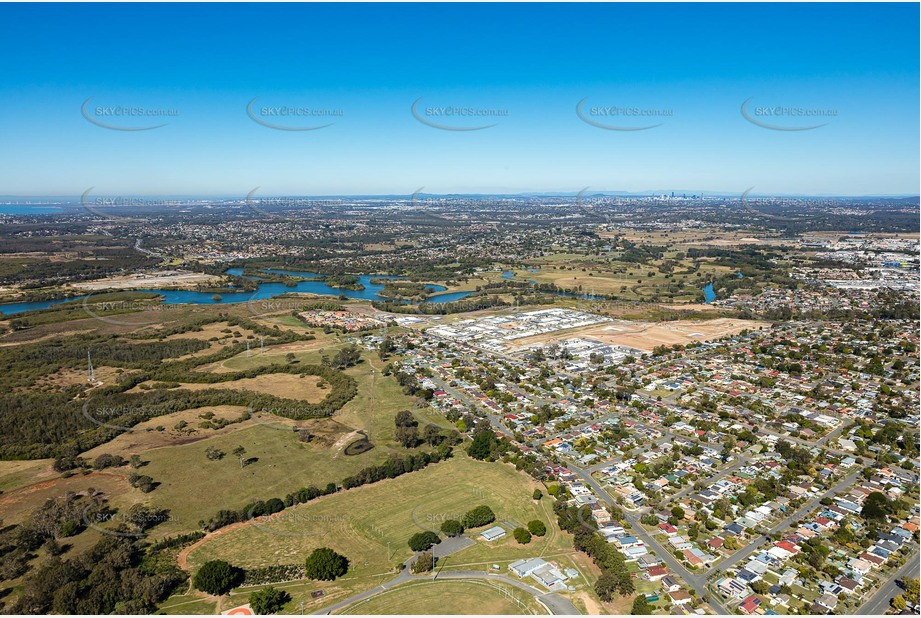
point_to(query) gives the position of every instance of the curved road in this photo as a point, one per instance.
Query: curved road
(554, 603)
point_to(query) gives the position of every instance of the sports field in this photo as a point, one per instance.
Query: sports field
(449, 597)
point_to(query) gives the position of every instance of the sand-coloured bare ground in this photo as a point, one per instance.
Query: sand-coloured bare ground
(647, 335)
(154, 280)
(64, 378)
(286, 385)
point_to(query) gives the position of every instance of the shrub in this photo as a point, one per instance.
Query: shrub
(108, 461)
(217, 577)
(422, 541)
(479, 516)
(424, 563)
(537, 527)
(326, 564)
(452, 527)
(268, 600)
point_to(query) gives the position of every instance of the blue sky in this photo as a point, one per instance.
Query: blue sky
(693, 65)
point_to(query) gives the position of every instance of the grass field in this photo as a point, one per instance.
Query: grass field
(449, 597)
(162, 431)
(606, 274)
(371, 525)
(20, 472)
(190, 604)
(306, 352)
(16, 504)
(194, 488)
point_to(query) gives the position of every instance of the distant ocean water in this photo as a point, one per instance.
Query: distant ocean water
(30, 209)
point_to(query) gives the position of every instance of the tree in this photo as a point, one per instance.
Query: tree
(269, 600)
(759, 587)
(606, 586)
(479, 516)
(912, 589)
(537, 527)
(422, 541)
(425, 562)
(217, 577)
(522, 535)
(107, 460)
(876, 506)
(624, 580)
(404, 418)
(678, 512)
(346, 357)
(326, 564)
(898, 602)
(141, 481)
(432, 435)
(484, 441)
(452, 527)
(641, 606)
(537, 495)
(239, 452)
(407, 436)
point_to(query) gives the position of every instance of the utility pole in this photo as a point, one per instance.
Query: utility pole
(91, 377)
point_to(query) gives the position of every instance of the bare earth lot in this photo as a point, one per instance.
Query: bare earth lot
(647, 335)
(146, 281)
(287, 385)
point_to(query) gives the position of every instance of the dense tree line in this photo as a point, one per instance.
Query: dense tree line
(111, 577)
(396, 466)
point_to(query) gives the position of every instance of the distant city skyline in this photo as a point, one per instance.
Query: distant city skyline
(670, 193)
(812, 100)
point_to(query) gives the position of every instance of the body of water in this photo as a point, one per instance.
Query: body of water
(11, 308)
(264, 291)
(709, 294)
(29, 209)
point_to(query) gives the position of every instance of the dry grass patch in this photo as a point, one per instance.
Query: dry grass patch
(310, 388)
(64, 378)
(162, 431)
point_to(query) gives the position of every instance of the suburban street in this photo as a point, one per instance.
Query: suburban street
(879, 602)
(746, 551)
(697, 582)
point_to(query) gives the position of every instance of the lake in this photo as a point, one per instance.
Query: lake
(264, 291)
(709, 294)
